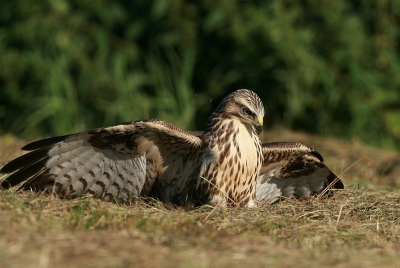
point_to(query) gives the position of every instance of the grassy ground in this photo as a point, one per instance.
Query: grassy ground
(358, 227)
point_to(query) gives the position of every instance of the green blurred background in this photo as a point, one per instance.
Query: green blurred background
(327, 67)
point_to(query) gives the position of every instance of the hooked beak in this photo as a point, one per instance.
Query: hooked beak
(259, 125)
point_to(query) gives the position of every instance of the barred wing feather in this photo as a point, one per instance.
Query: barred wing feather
(121, 161)
(292, 170)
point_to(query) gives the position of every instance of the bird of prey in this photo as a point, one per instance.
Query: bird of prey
(227, 165)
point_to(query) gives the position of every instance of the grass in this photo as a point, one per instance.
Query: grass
(357, 227)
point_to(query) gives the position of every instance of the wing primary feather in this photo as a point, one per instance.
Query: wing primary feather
(22, 174)
(317, 155)
(45, 143)
(24, 160)
(338, 184)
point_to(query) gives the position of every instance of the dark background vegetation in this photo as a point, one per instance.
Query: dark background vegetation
(326, 67)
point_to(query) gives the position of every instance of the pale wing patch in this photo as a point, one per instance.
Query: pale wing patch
(271, 186)
(100, 172)
(292, 170)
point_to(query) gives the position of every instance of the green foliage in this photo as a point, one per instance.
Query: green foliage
(327, 67)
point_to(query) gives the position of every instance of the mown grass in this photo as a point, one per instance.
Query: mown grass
(357, 227)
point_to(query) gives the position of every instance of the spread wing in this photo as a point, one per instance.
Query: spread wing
(292, 170)
(119, 161)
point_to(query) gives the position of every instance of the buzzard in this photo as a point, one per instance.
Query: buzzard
(227, 165)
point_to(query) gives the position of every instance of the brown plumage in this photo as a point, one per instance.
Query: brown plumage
(226, 165)
(292, 169)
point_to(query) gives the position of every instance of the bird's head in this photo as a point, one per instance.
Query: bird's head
(245, 105)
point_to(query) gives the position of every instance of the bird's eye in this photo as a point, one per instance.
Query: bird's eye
(246, 111)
